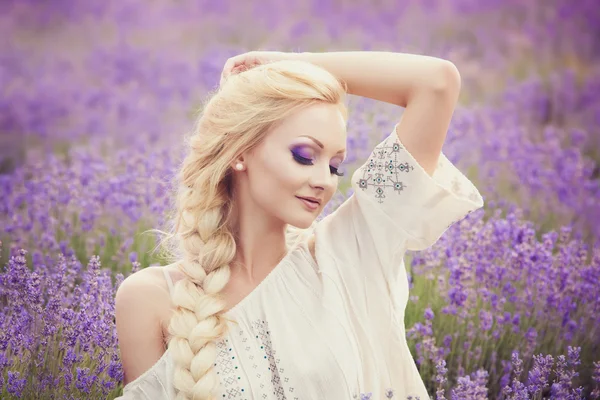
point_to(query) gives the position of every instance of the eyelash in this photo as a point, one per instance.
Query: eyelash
(306, 161)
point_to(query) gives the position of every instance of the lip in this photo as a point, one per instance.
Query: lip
(310, 205)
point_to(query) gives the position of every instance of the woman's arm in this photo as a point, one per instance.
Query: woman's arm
(427, 87)
(386, 76)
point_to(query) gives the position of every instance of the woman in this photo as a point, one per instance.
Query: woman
(261, 300)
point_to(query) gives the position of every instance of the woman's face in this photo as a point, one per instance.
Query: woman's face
(298, 158)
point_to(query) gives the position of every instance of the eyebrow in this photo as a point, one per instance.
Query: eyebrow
(320, 144)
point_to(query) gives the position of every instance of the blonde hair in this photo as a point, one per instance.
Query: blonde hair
(233, 120)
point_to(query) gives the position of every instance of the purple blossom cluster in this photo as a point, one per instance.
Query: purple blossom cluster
(96, 98)
(493, 282)
(541, 150)
(57, 328)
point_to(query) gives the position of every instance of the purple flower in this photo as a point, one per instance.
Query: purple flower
(539, 375)
(133, 256)
(429, 314)
(486, 320)
(15, 385)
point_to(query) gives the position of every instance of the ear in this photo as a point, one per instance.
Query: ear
(235, 165)
(243, 159)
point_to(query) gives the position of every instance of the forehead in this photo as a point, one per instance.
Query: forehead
(324, 122)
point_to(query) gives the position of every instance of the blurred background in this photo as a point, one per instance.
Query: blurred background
(97, 96)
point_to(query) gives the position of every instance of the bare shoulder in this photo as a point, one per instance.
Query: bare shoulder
(148, 291)
(139, 305)
(165, 309)
(154, 276)
(145, 281)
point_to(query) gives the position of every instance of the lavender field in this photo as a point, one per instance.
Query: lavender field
(97, 96)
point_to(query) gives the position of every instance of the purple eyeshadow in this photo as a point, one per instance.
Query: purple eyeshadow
(302, 151)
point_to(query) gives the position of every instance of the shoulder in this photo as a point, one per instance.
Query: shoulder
(141, 291)
(145, 291)
(140, 303)
(164, 308)
(146, 280)
(153, 277)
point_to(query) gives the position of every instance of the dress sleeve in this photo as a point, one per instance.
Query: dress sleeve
(396, 206)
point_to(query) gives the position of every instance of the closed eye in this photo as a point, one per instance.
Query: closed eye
(307, 161)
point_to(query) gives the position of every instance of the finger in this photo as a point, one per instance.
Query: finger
(229, 64)
(234, 62)
(227, 68)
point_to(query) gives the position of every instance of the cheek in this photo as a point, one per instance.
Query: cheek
(276, 179)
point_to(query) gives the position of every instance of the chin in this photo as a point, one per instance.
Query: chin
(302, 223)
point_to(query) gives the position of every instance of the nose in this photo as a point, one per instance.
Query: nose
(321, 177)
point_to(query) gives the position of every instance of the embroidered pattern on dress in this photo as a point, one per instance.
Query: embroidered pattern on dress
(384, 169)
(228, 371)
(228, 367)
(262, 333)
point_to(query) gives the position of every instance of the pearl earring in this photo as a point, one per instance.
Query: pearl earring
(239, 166)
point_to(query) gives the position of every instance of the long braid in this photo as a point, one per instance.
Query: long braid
(196, 324)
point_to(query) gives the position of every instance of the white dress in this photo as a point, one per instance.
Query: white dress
(334, 329)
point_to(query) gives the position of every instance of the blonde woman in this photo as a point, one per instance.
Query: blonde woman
(262, 301)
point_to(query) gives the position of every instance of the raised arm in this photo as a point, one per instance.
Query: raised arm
(428, 87)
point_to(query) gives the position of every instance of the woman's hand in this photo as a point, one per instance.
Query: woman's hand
(246, 61)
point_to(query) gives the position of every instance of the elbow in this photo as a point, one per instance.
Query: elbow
(449, 80)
